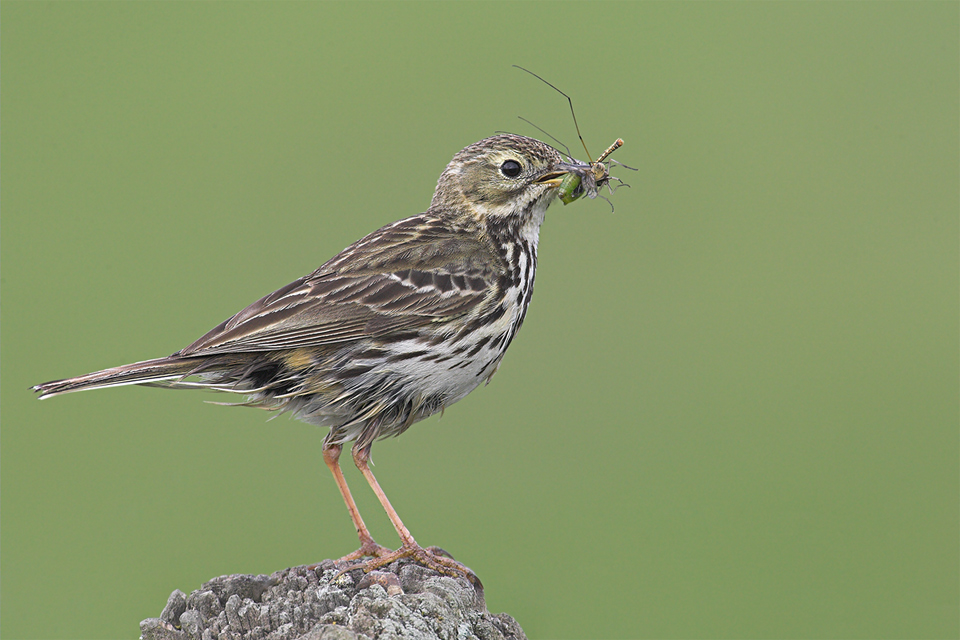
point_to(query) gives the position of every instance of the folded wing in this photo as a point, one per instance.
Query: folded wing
(399, 278)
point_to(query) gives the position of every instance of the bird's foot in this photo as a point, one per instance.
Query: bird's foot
(433, 558)
(369, 549)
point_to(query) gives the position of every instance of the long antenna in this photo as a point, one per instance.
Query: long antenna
(577, 126)
(546, 133)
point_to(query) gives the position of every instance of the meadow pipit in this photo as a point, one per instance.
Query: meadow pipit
(399, 325)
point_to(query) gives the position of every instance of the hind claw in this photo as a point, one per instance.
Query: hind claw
(433, 558)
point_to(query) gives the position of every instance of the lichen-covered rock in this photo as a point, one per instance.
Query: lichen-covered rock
(400, 601)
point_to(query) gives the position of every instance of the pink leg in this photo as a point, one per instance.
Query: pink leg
(368, 547)
(361, 457)
(432, 557)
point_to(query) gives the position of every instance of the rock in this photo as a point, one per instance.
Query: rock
(176, 605)
(400, 601)
(157, 629)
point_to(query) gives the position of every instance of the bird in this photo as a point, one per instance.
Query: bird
(395, 328)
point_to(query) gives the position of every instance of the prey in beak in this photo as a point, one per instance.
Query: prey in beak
(576, 178)
(587, 178)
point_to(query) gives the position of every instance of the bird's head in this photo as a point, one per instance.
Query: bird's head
(499, 180)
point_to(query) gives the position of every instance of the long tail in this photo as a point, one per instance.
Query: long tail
(146, 372)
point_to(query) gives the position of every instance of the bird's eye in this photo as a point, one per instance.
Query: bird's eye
(511, 168)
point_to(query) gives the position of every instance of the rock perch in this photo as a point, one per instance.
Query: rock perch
(401, 601)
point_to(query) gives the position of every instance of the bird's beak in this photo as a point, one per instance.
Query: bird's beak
(552, 178)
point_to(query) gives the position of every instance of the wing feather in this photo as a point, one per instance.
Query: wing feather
(397, 279)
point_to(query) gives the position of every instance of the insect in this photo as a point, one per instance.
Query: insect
(583, 177)
(573, 185)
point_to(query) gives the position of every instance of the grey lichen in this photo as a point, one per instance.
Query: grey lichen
(402, 600)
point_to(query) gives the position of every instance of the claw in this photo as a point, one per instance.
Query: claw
(367, 549)
(433, 558)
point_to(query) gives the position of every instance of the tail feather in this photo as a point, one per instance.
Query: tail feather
(146, 372)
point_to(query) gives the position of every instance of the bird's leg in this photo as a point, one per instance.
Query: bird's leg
(368, 547)
(361, 458)
(432, 557)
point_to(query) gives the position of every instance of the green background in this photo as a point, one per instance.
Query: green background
(732, 411)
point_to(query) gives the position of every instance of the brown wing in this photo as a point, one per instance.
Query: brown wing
(407, 275)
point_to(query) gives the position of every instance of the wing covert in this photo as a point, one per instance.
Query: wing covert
(398, 278)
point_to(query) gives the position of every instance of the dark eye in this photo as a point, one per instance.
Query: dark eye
(511, 168)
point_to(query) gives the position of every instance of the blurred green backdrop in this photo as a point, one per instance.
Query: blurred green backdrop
(733, 409)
